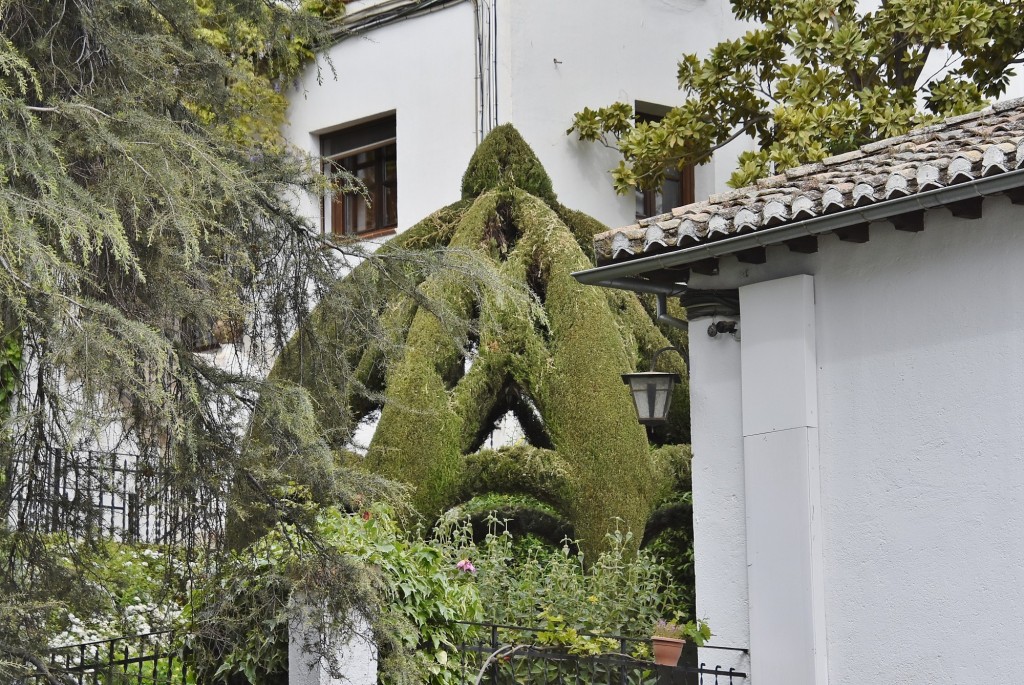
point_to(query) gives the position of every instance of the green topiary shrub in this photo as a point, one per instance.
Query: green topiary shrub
(504, 159)
(541, 345)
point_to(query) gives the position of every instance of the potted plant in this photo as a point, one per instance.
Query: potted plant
(668, 642)
(669, 637)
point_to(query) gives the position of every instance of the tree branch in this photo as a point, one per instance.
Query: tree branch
(717, 146)
(40, 666)
(81, 105)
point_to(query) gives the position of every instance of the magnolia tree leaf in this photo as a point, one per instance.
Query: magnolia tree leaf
(818, 78)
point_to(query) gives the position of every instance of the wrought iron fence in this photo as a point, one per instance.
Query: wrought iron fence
(127, 497)
(492, 654)
(151, 659)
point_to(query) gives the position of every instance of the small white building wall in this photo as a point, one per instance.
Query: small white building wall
(423, 69)
(920, 351)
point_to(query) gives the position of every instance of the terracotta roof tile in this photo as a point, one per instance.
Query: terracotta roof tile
(953, 151)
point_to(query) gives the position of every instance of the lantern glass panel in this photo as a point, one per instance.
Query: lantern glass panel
(652, 395)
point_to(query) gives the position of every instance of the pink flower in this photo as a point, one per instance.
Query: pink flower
(466, 565)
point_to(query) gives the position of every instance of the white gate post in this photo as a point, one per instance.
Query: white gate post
(355, 656)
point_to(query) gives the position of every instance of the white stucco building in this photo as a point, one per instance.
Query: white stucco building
(427, 79)
(858, 483)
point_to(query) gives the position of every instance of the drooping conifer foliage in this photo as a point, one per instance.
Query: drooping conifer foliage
(145, 207)
(531, 341)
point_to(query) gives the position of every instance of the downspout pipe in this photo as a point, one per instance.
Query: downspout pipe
(661, 291)
(478, 39)
(666, 318)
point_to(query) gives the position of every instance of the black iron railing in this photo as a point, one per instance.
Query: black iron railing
(492, 654)
(127, 497)
(151, 659)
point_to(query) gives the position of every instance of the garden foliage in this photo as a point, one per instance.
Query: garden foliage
(145, 203)
(815, 78)
(417, 592)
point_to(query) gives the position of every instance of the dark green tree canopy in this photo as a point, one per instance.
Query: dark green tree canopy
(818, 78)
(135, 218)
(541, 346)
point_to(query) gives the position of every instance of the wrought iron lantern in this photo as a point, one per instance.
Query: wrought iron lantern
(652, 392)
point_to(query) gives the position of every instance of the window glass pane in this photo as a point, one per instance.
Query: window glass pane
(376, 168)
(671, 192)
(677, 189)
(365, 169)
(390, 206)
(390, 182)
(359, 214)
(355, 137)
(358, 217)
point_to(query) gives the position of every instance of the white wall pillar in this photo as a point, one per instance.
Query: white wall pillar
(780, 450)
(719, 516)
(354, 658)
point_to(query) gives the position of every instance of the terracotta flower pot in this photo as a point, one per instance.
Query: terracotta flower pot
(667, 650)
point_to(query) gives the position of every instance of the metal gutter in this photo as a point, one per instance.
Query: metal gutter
(638, 285)
(624, 275)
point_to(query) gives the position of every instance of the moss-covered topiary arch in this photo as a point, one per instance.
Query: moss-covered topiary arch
(553, 357)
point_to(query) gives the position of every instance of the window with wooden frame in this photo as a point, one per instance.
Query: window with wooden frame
(676, 190)
(369, 152)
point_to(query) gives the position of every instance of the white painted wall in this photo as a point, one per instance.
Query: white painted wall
(780, 455)
(354, 658)
(606, 51)
(554, 57)
(920, 353)
(719, 507)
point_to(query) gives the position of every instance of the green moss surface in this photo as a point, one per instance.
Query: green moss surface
(504, 159)
(518, 470)
(582, 226)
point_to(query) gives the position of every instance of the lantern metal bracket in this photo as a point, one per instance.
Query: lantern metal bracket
(731, 327)
(657, 353)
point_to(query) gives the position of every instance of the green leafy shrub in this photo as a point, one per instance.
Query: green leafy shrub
(622, 592)
(359, 562)
(417, 594)
(135, 589)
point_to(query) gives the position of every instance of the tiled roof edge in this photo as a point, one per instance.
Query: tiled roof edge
(954, 151)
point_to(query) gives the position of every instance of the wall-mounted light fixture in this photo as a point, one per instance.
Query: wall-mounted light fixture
(724, 327)
(652, 391)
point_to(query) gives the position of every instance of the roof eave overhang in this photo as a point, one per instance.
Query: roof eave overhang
(388, 12)
(628, 275)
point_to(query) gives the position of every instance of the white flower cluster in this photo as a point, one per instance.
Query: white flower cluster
(144, 570)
